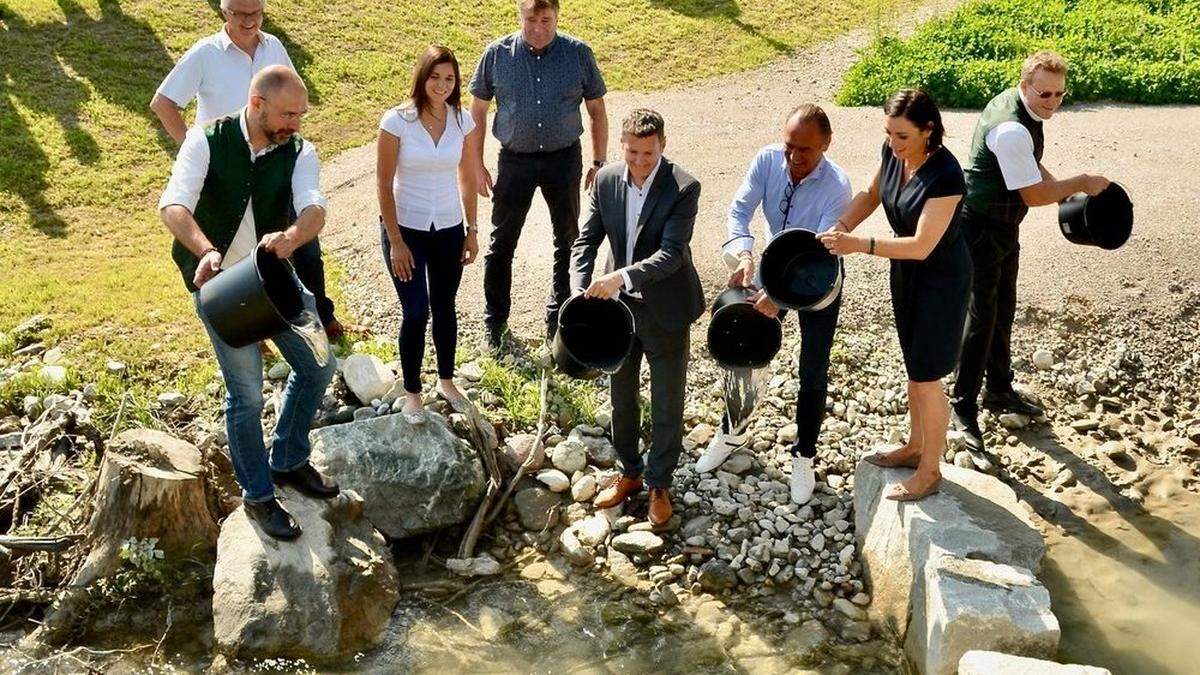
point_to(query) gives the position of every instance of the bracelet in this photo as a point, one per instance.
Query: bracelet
(597, 163)
(206, 252)
(872, 250)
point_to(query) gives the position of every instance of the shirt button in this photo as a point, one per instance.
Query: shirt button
(539, 125)
(541, 147)
(539, 102)
(538, 79)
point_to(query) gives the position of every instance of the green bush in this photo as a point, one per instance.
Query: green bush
(1138, 51)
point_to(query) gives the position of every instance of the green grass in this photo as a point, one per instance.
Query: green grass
(518, 388)
(82, 159)
(1139, 51)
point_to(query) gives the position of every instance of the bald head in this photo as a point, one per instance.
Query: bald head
(275, 80)
(278, 101)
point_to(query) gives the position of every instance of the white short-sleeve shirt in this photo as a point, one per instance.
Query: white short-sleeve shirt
(426, 184)
(217, 73)
(1013, 147)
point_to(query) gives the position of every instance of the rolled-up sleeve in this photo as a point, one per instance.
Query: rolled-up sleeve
(306, 180)
(188, 173)
(741, 210)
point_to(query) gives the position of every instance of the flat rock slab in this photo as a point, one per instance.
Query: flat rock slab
(993, 663)
(414, 476)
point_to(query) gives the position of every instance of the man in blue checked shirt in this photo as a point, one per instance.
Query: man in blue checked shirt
(797, 187)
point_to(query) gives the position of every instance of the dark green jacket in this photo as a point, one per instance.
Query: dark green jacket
(232, 181)
(987, 194)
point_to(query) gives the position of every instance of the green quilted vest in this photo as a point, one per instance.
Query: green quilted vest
(231, 182)
(986, 193)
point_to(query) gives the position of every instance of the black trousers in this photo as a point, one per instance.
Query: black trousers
(432, 289)
(667, 354)
(816, 342)
(311, 270)
(558, 174)
(987, 340)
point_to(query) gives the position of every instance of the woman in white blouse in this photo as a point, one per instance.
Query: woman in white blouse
(427, 202)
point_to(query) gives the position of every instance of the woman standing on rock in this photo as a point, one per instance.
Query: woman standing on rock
(426, 195)
(921, 187)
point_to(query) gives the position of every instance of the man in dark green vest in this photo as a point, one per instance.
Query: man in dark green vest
(1004, 178)
(231, 189)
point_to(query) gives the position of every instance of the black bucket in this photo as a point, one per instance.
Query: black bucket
(594, 336)
(254, 299)
(1105, 220)
(740, 336)
(799, 273)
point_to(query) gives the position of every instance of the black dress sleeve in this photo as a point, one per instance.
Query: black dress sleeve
(946, 179)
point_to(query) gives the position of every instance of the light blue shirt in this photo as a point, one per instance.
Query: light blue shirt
(817, 201)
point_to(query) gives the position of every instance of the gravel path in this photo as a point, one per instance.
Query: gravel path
(715, 128)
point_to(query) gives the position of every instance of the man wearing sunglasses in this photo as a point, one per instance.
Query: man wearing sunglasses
(1004, 178)
(796, 187)
(216, 72)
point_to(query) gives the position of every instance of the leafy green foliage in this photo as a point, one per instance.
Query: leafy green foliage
(1139, 51)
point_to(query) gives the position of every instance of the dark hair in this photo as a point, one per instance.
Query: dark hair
(812, 114)
(435, 55)
(918, 107)
(538, 5)
(643, 123)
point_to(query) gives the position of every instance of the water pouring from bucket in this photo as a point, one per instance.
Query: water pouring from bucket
(257, 298)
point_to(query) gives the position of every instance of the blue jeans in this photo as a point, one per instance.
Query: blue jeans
(243, 372)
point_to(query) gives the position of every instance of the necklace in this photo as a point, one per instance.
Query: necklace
(912, 170)
(430, 125)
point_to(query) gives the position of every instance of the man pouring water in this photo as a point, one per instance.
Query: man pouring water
(230, 191)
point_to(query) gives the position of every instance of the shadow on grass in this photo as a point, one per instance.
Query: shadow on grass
(300, 56)
(42, 69)
(721, 9)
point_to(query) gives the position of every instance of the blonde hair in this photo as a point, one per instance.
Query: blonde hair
(1051, 62)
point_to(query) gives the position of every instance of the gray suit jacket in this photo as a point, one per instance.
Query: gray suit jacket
(661, 269)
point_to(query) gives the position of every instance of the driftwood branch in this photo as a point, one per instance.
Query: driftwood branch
(536, 454)
(491, 466)
(30, 544)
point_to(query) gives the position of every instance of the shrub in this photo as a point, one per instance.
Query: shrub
(1138, 51)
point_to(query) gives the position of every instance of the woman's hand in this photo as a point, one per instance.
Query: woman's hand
(842, 243)
(401, 260)
(470, 247)
(764, 304)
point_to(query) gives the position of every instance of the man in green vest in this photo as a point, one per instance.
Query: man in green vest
(1004, 178)
(231, 188)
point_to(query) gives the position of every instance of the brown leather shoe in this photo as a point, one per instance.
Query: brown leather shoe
(618, 492)
(660, 506)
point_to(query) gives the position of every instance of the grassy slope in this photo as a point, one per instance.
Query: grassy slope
(82, 161)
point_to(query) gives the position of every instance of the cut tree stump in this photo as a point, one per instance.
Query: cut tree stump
(151, 486)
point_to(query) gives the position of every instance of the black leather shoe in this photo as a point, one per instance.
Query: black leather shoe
(969, 426)
(273, 519)
(307, 480)
(1010, 402)
(495, 337)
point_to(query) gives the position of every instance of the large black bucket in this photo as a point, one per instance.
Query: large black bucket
(799, 273)
(1105, 220)
(740, 336)
(254, 299)
(594, 336)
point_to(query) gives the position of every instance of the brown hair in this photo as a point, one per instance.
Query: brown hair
(643, 123)
(812, 114)
(918, 107)
(435, 55)
(1051, 62)
(538, 5)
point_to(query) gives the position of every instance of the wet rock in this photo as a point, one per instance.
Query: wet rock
(805, 640)
(978, 662)
(716, 576)
(537, 508)
(327, 595)
(494, 623)
(413, 474)
(849, 609)
(367, 377)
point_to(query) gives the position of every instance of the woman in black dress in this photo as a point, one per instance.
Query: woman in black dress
(920, 185)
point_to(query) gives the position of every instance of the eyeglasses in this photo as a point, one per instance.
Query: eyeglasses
(289, 116)
(239, 16)
(785, 205)
(1047, 95)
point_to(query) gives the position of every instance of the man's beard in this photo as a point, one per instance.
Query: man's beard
(276, 136)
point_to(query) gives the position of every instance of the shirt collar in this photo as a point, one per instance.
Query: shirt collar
(1025, 103)
(529, 48)
(246, 134)
(226, 43)
(813, 175)
(649, 179)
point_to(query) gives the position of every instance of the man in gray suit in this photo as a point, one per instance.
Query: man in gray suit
(646, 207)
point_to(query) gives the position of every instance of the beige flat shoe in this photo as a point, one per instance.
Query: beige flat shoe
(899, 493)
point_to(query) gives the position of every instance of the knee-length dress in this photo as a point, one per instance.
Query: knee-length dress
(929, 297)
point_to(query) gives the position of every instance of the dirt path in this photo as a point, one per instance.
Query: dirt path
(715, 128)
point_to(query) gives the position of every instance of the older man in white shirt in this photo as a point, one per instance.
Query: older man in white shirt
(216, 73)
(233, 186)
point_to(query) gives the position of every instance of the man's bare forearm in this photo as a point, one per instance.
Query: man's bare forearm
(599, 119)
(183, 227)
(172, 119)
(307, 226)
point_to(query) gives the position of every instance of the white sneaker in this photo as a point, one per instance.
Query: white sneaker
(719, 449)
(803, 480)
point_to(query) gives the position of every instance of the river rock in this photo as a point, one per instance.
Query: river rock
(976, 604)
(367, 377)
(573, 549)
(716, 576)
(554, 479)
(638, 543)
(600, 451)
(978, 662)
(537, 508)
(279, 370)
(569, 457)
(584, 489)
(1043, 359)
(414, 475)
(593, 530)
(326, 595)
(517, 448)
(481, 566)
(171, 400)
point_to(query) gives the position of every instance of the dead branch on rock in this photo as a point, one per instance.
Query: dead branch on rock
(491, 466)
(537, 453)
(30, 544)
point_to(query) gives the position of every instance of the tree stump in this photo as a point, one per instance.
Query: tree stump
(151, 485)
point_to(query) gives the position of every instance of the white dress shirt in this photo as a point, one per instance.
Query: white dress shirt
(426, 183)
(1013, 147)
(635, 199)
(218, 73)
(191, 168)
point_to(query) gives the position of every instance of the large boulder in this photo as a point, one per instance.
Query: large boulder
(974, 516)
(414, 475)
(323, 596)
(993, 663)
